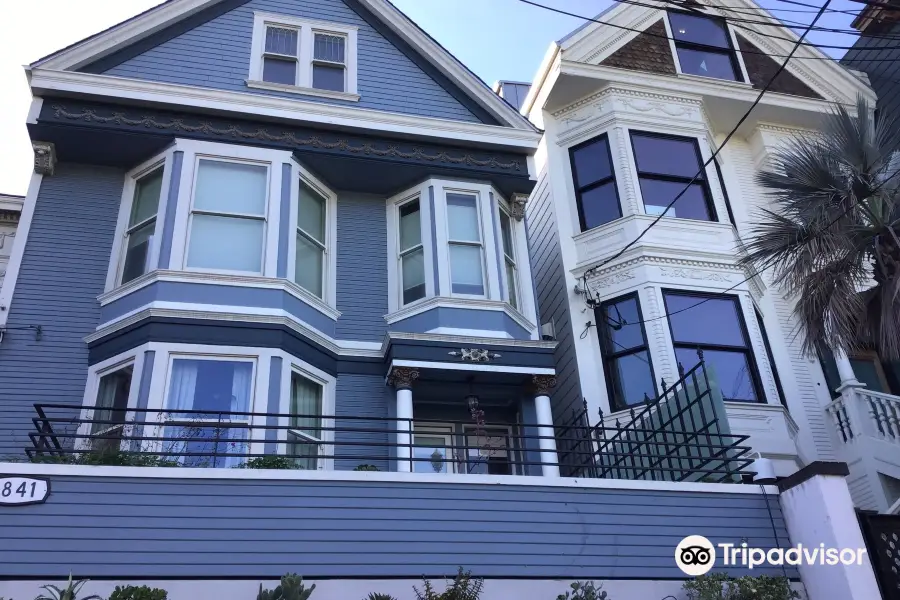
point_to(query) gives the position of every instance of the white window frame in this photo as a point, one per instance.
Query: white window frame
(117, 258)
(329, 269)
(443, 430)
(328, 384)
(508, 286)
(96, 372)
(395, 274)
(195, 151)
(306, 29)
(728, 28)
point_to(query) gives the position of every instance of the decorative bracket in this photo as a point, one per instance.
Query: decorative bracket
(517, 206)
(543, 384)
(402, 377)
(44, 157)
(475, 354)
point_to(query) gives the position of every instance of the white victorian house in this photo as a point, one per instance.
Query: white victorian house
(630, 119)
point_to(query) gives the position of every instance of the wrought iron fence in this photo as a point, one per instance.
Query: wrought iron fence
(682, 435)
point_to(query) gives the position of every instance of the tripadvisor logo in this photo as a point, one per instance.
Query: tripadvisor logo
(695, 555)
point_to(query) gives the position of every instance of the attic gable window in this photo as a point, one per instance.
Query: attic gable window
(303, 57)
(703, 45)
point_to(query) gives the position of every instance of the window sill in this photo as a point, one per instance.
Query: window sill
(728, 82)
(420, 306)
(301, 91)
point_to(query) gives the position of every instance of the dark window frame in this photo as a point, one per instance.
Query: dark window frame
(703, 179)
(747, 350)
(609, 356)
(725, 193)
(731, 51)
(579, 191)
(765, 336)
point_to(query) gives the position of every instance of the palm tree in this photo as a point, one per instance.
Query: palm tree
(831, 238)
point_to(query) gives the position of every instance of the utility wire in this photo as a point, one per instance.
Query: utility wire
(730, 135)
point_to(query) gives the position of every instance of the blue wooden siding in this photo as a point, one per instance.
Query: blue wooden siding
(149, 528)
(216, 54)
(362, 286)
(363, 396)
(63, 271)
(552, 292)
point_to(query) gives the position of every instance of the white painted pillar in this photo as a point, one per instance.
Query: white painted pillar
(549, 456)
(818, 510)
(845, 370)
(402, 378)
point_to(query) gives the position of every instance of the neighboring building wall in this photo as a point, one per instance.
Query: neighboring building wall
(878, 56)
(10, 211)
(216, 54)
(62, 273)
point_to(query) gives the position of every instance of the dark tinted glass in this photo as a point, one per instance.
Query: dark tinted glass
(414, 293)
(698, 30)
(622, 326)
(706, 63)
(665, 156)
(729, 369)
(277, 70)
(716, 321)
(600, 205)
(591, 162)
(866, 372)
(328, 78)
(632, 378)
(658, 194)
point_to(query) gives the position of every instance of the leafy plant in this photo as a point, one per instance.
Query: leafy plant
(366, 468)
(584, 590)
(291, 588)
(463, 587)
(372, 596)
(719, 586)
(131, 592)
(269, 461)
(70, 592)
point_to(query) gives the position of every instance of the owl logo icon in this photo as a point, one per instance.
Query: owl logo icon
(695, 555)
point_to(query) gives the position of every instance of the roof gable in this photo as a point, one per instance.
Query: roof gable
(206, 43)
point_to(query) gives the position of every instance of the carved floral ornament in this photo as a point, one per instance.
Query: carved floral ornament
(695, 274)
(402, 378)
(543, 384)
(276, 134)
(475, 354)
(44, 157)
(517, 206)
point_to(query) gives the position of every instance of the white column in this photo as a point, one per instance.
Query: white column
(549, 456)
(845, 370)
(402, 378)
(818, 510)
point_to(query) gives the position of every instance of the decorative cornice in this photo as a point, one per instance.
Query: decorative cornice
(402, 378)
(624, 91)
(468, 340)
(543, 384)
(10, 216)
(276, 134)
(661, 260)
(44, 157)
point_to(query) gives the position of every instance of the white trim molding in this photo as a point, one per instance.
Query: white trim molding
(18, 249)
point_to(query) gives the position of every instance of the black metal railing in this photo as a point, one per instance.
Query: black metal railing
(682, 435)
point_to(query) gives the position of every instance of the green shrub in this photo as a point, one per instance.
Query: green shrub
(366, 468)
(584, 590)
(463, 587)
(291, 588)
(70, 592)
(131, 592)
(719, 586)
(269, 461)
(372, 596)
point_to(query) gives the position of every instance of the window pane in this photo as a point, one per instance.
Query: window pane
(706, 63)
(329, 47)
(137, 252)
(465, 270)
(513, 284)
(699, 30)
(328, 78)
(146, 197)
(666, 156)
(410, 225)
(280, 70)
(432, 452)
(866, 372)
(309, 266)
(730, 370)
(231, 187)
(280, 40)
(217, 386)
(632, 378)
(462, 214)
(311, 213)
(658, 194)
(622, 325)
(413, 267)
(600, 205)
(226, 243)
(112, 399)
(716, 321)
(591, 162)
(506, 232)
(306, 406)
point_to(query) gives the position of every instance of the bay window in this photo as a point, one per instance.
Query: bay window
(110, 406)
(228, 216)
(305, 435)
(466, 249)
(141, 225)
(411, 252)
(715, 325)
(626, 356)
(595, 183)
(309, 266)
(665, 166)
(509, 259)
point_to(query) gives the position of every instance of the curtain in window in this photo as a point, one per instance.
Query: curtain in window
(106, 398)
(183, 385)
(306, 410)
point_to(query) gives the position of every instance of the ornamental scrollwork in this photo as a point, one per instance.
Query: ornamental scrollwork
(402, 378)
(264, 134)
(475, 354)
